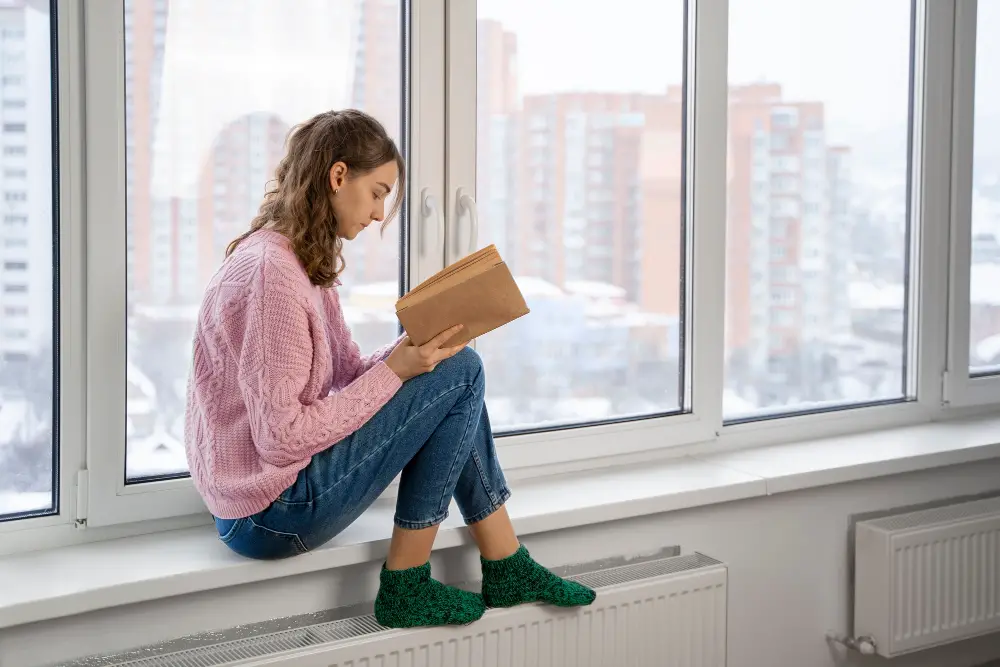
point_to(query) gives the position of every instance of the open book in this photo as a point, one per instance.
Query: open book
(478, 292)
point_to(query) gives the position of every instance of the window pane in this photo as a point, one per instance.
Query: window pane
(211, 90)
(817, 204)
(28, 443)
(579, 184)
(984, 306)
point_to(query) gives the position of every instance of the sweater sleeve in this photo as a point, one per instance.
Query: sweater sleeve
(275, 362)
(375, 358)
(355, 363)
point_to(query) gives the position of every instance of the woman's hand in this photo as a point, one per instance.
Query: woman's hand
(408, 360)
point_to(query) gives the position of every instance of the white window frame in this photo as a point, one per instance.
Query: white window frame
(72, 417)
(928, 291)
(442, 139)
(706, 90)
(961, 387)
(107, 499)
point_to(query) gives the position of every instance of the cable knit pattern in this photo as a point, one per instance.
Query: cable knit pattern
(276, 378)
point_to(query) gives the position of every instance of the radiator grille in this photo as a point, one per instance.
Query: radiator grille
(939, 515)
(946, 585)
(657, 568)
(928, 578)
(645, 612)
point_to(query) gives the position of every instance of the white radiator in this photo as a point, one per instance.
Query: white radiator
(670, 611)
(928, 578)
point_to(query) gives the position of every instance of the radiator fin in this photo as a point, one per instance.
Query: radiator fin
(946, 584)
(667, 611)
(928, 578)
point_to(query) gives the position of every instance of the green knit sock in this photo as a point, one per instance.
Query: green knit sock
(410, 598)
(518, 579)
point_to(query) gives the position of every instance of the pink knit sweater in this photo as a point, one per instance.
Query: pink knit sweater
(276, 378)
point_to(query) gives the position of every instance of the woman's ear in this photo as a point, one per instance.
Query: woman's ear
(338, 174)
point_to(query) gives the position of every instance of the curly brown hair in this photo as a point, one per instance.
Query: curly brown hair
(298, 201)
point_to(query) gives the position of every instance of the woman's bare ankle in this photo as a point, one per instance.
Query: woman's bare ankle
(410, 548)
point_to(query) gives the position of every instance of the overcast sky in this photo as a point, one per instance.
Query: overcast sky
(226, 58)
(852, 55)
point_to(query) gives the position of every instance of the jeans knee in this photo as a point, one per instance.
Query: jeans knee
(467, 365)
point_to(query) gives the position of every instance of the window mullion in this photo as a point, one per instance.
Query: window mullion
(930, 199)
(426, 150)
(72, 250)
(957, 385)
(705, 214)
(460, 137)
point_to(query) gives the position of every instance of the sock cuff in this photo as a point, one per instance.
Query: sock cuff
(405, 578)
(515, 561)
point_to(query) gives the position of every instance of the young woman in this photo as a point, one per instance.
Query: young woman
(291, 434)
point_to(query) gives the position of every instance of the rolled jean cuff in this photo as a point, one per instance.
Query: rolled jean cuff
(419, 525)
(500, 501)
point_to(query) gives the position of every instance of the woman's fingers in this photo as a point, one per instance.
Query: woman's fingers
(443, 337)
(446, 353)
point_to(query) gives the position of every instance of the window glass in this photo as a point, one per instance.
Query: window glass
(28, 405)
(984, 296)
(817, 204)
(579, 184)
(213, 89)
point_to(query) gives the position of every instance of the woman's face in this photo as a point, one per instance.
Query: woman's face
(359, 200)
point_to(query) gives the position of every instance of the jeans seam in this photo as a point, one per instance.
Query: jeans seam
(231, 533)
(497, 503)
(375, 450)
(420, 525)
(294, 537)
(482, 476)
(446, 497)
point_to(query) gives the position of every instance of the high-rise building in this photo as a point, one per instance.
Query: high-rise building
(787, 231)
(377, 90)
(175, 237)
(150, 250)
(585, 169)
(497, 107)
(26, 221)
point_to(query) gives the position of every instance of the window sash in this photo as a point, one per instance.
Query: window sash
(92, 270)
(109, 500)
(960, 387)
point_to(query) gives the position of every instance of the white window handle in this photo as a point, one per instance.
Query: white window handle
(429, 208)
(467, 203)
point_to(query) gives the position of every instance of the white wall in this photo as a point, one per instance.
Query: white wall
(788, 559)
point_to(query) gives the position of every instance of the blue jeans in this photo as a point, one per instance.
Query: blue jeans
(435, 431)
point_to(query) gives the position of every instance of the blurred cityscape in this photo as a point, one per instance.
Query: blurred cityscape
(583, 193)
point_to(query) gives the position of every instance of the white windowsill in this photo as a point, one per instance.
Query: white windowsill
(70, 580)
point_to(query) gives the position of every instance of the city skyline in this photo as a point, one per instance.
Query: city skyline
(580, 182)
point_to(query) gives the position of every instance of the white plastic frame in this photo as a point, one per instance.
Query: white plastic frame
(705, 160)
(71, 260)
(962, 388)
(927, 293)
(442, 144)
(109, 499)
